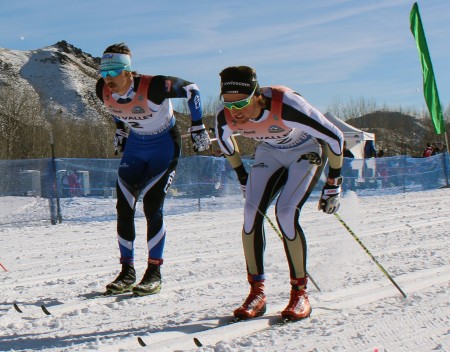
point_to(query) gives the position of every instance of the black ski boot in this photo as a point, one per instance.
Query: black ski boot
(150, 283)
(124, 282)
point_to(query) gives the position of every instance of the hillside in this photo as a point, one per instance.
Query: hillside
(62, 79)
(397, 133)
(62, 76)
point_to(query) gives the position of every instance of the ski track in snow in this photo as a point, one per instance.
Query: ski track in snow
(204, 280)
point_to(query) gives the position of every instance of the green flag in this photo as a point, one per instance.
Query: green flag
(429, 83)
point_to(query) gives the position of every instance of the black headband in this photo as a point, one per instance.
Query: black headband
(235, 81)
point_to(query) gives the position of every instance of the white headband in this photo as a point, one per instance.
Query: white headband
(112, 61)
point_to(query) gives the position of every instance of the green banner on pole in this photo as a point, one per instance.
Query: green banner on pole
(429, 83)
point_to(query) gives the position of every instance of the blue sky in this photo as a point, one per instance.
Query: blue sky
(329, 50)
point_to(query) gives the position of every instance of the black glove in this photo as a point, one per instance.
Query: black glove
(120, 139)
(200, 138)
(329, 201)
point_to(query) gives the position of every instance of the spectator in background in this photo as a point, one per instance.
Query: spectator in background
(436, 149)
(428, 151)
(74, 183)
(347, 152)
(369, 150)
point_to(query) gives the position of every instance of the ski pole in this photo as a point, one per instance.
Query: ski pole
(3, 267)
(368, 252)
(281, 238)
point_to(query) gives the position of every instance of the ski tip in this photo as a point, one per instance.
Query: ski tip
(16, 307)
(141, 342)
(45, 310)
(197, 342)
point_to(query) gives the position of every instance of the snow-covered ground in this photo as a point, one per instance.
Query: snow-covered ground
(204, 280)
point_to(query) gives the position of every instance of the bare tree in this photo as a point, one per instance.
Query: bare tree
(22, 124)
(82, 138)
(355, 107)
(26, 127)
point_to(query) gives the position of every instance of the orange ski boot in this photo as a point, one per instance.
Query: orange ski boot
(255, 304)
(298, 306)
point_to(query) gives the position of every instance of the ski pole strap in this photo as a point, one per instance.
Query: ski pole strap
(127, 260)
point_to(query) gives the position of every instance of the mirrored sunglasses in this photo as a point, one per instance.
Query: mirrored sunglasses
(111, 73)
(239, 104)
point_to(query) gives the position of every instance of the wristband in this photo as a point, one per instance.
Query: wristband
(196, 128)
(241, 172)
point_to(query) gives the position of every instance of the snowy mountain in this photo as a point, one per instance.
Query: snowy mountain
(62, 75)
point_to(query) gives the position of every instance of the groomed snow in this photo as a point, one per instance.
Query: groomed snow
(204, 280)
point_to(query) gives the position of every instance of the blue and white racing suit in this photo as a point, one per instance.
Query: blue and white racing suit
(150, 155)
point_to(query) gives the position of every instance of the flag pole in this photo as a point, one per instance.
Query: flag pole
(430, 90)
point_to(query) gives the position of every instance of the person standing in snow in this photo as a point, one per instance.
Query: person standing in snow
(296, 142)
(428, 151)
(150, 141)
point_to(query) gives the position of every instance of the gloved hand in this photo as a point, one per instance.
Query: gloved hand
(200, 138)
(330, 200)
(120, 140)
